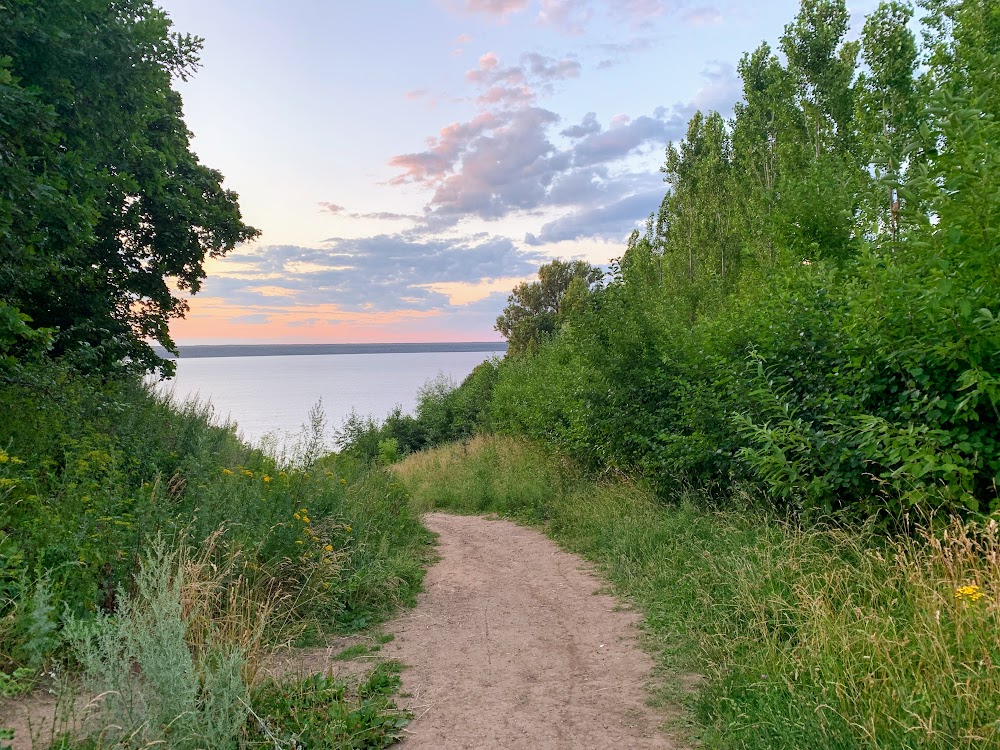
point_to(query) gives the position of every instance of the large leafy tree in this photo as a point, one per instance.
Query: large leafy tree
(535, 310)
(106, 215)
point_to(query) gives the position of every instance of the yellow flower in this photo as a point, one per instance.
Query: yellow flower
(227, 472)
(265, 478)
(305, 519)
(329, 548)
(248, 473)
(329, 475)
(343, 482)
(347, 528)
(7, 458)
(971, 593)
(303, 510)
(298, 541)
(296, 516)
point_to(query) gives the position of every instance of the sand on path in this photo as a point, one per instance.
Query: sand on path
(511, 646)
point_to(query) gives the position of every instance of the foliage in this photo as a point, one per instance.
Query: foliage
(814, 307)
(774, 636)
(105, 212)
(127, 465)
(535, 310)
(444, 413)
(321, 712)
(162, 682)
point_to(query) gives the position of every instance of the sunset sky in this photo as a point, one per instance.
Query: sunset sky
(409, 162)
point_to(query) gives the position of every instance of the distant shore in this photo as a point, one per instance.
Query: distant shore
(286, 350)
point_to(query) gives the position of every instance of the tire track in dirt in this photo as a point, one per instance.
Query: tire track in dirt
(510, 646)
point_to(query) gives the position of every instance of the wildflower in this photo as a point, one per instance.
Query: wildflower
(296, 516)
(305, 519)
(329, 475)
(347, 528)
(329, 548)
(303, 510)
(298, 541)
(972, 593)
(265, 478)
(248, 473)
(343, 482)
(7, 458)
(227, 472)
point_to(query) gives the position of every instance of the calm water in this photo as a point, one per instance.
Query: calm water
(270, 396)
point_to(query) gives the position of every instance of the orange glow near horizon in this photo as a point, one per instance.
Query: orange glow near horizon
(211, 320)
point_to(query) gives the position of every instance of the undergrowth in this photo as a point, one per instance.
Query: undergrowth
(804, 638)
(134, 530)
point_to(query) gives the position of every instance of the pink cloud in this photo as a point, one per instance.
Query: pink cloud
(499, 8)
(570, 16)
(705, 15)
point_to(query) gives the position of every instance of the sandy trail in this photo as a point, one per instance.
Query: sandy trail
(510, 646)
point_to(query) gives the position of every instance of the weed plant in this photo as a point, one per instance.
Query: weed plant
(819, 638)
(323, 713)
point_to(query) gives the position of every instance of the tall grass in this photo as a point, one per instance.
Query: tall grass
(260, 548)
(819, 638)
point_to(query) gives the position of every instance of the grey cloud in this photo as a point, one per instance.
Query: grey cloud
(587, 126)
(254, 319)
(612, 221)
(381, 273)
(620, 141)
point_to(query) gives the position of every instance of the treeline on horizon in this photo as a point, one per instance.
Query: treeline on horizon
(815, 307)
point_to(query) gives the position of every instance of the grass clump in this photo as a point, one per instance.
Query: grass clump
(323, 713)
(820, 637)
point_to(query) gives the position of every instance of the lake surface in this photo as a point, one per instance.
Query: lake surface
(270, 396)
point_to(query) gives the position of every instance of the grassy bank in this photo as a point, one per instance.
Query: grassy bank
(149, 551)
(817, 638)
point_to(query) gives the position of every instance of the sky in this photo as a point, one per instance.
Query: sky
(409, 162)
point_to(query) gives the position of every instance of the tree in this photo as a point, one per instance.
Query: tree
(536, 310)
(106, 215)
(887, 101)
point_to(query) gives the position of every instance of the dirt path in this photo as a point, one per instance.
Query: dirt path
(511, 647)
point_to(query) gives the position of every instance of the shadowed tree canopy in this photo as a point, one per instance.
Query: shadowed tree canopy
(535, 310)
(106, 215)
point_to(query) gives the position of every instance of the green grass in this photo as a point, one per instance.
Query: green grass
(320, 712)
(818, 638)
(268, 550)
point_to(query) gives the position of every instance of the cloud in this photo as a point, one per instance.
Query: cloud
(703, 15)
(624, 137)
(588, 126)
(497, 8)
(253, 319)
(339, 210)
(619, 52)
(722, 90)
(569, 16)
(514, 86)
(642, 13)
(384, 273)
(612, 221)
